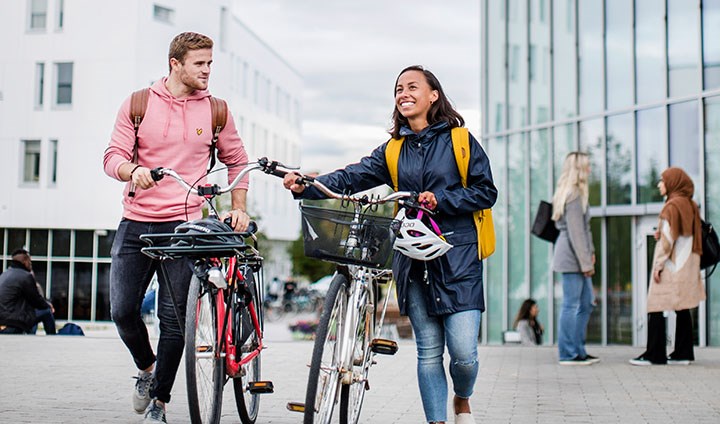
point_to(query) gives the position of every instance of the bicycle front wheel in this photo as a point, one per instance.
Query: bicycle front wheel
(353, 394)
(204, 367)
(248, 404)
(324, 377)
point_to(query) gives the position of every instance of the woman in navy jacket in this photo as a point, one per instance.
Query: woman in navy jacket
(443, 297)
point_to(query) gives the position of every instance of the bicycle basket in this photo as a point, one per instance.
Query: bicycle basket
(327, 236)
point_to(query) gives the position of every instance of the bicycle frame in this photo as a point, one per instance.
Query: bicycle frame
(235, 278)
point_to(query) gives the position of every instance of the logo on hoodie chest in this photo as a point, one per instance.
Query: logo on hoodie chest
(198, 131)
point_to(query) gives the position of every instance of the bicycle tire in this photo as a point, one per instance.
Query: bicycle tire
(204, 366)
(324, 376)
(353, 394)
(248, 404)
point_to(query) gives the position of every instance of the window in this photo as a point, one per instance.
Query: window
(711, 50)
(53, 162)
(683, 52)
(39, 84)
(64, 73)
(31, 161)
(59, 14)
(649, 51)
(619, 65)
(38, 14)
(163, 14)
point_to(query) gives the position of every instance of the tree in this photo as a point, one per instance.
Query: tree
(311, 268)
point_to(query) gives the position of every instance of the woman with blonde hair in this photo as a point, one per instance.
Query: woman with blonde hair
(574, 257)
(676, 284)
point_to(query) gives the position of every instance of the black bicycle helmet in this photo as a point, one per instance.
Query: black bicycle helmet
(206, 230)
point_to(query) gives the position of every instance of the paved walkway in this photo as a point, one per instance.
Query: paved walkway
(88, 379)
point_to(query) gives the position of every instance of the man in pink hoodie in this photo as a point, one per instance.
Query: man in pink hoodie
(175, 133)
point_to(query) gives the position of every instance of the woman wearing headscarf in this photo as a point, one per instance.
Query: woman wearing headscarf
(676, 284)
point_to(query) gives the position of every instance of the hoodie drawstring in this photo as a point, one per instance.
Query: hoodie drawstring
(167, 122)
(184, 121)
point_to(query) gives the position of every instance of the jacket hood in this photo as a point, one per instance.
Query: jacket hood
(166, 97)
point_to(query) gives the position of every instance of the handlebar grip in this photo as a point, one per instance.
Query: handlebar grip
(278, 173)
(156, 174)
(251, 229)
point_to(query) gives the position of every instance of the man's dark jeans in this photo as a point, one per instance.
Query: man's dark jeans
(130, 274)
(47, 318)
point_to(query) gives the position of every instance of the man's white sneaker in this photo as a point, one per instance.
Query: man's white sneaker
(155, 414)
(141, 393)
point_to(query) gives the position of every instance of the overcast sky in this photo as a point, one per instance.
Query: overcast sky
(349, 54)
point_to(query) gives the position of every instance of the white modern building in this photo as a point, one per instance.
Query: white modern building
(67, 67)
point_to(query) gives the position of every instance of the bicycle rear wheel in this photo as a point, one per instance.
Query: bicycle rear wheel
(248, 404)
(204, 367)
(352, 395)
(324, 376)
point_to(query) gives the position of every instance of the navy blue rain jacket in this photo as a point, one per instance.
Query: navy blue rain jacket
(427, 163)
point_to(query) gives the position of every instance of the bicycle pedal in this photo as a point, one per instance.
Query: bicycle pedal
(296, 407)
(384, 346)
(261, 387)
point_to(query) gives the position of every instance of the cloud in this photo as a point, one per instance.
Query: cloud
(350, 53)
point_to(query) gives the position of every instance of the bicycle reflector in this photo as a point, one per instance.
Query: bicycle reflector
(415, 240)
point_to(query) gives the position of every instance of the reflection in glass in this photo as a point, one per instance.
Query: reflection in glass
(684, 138)
(102, 301)
(105, 241)
(497, 153)
(84, 243)
(619, 159)
(649, 51)
(39, 242)
(61, 243)
(59, 289)
(495, 65)
(540, 250)
(540, 65)
(82, 291)
(590, 50)
(712, 209)
(594, 330)
(40, 271)
(564, 59)
(619, 280)
(618, 30)
(518, 282)
(565, 141)
(711, 48)
(518, 65)
(16, 239)
(652, 153)
(683, 47)
(591, 142)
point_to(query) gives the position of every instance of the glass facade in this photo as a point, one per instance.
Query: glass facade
(636, 85)
(71, 266)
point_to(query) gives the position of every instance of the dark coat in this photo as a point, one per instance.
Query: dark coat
(19, 298)
(427, 163)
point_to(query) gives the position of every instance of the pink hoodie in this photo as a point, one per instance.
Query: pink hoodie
(175, 133)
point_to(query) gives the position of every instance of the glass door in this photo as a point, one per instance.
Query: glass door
(645, 246)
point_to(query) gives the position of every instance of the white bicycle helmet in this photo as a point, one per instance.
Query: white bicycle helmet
(415, 240)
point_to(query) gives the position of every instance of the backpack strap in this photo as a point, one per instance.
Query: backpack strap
(219, 111)
(461, 147)
(392, 155)
(138, 106)
(483, 218)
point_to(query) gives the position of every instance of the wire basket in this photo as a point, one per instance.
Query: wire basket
(328, 235)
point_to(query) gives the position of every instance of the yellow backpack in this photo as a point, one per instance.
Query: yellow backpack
(461, 148)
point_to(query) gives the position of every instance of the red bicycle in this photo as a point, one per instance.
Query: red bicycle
(224, 318)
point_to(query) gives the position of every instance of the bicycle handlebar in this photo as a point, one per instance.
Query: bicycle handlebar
(406, 198)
